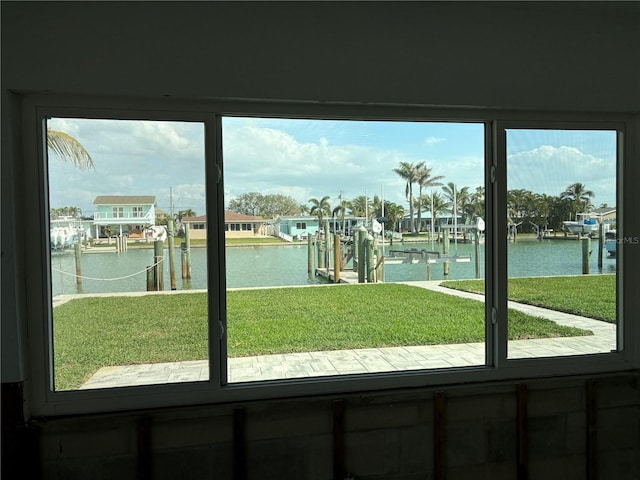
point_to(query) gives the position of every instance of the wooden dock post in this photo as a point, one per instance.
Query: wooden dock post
(151, 278)
(78, 254)
(476, 237)
(362, 253)
(319, 247)
(586, 252)
(380, 264)
(327, 247)
(337, 258)
(158, 261)
(172, 255)
(371, 263)
(445, 251)
(310, 254)
(600, 243)
(186, 254)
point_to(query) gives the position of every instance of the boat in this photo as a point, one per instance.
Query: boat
(611, 242)
(585, 225)
(64, 233)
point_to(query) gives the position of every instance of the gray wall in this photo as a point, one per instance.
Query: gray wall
(549, 55)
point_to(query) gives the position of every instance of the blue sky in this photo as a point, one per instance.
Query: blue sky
(314, 158)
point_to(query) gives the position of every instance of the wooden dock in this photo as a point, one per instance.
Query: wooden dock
(346, 276)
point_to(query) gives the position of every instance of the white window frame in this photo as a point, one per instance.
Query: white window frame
(45, 401)
(117, 212)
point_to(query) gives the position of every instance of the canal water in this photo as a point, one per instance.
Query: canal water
(270, 265)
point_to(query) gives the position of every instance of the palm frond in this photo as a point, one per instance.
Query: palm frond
(69, 149)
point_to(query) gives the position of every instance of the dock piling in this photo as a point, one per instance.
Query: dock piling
(172, 260)
(586, 252)
(78, 255)
(186, 254)
(337, 258)
(158, 261)
(310, 254)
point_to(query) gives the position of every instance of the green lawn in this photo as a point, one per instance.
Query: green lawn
(93, 332)
(592, 296)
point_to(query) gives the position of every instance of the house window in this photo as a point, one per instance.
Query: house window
(118, 212)
(138, 212)
(301, 225)
(436, 305)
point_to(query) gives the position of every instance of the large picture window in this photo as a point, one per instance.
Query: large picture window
(202, 256)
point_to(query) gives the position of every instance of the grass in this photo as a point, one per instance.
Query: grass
(94, 332)
(592, 296)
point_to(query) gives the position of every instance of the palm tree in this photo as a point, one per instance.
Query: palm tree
(394, 213)
(458, 199)
(320, 208)
(424, 179)
(304, 209)
(579, 196)
(341, 211)
(408, 172)
(69, 149)
(434, 203)
(359, 206)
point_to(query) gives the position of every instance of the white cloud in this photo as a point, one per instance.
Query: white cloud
(549, 169)
(434, 140)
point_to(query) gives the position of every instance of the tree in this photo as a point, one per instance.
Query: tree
(266, 206)
(303, 209)
(247, 203)
(579, 196)
(359, 206)
(436, 204)
(408, 172)
(274, 205)
(394, 213)
(69, 149)
(424, 179)
(320, 208)
(341, 211)
(458, 199)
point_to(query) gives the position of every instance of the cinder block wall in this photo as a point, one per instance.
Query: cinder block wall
(553, 429)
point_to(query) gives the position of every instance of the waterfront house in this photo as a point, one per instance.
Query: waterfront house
(300, 226)
(123, 214)
(604, 214)
(295, 226)
(236, 225)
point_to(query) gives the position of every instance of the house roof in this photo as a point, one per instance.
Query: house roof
(239, 217)
(228, 217)
(125, 200)
(603, 211)
(199, 219)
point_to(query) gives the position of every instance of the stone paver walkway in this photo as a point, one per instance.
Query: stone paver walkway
(370, 360)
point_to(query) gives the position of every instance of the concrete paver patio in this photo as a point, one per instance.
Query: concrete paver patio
(370, 360)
